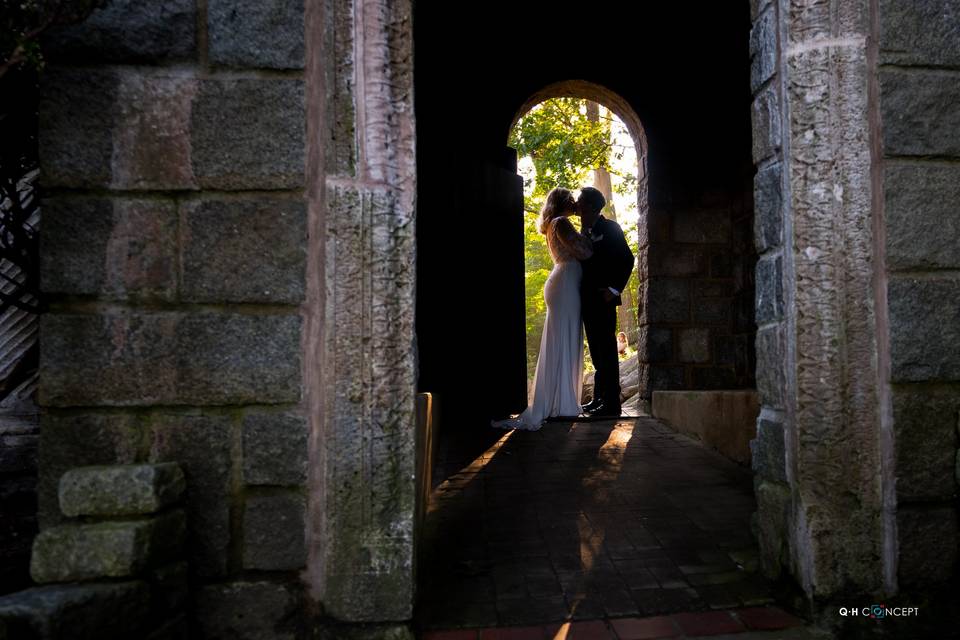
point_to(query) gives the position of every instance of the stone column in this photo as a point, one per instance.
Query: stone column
(822, 445)
(361, 377)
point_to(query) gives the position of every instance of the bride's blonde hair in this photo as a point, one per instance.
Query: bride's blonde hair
(559, 201)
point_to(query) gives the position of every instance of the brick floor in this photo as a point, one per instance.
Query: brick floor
(767, 618)
(707, 623)
(645, 628)
(587, 521)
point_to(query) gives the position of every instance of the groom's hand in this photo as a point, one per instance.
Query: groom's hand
(607, 295)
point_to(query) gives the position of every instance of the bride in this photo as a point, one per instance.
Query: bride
(558, 380)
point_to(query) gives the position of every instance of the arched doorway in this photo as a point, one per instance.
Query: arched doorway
(610, 155)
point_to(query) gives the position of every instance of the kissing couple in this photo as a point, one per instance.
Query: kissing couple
(590, 269)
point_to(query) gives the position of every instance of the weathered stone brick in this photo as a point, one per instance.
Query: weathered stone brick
(919, 112)
(151, 141)
(819, 19)
(247, 610)
(765, 116)
(771, 360)
(112, 549)
(676, 260)
(128, 31)
(768, 207)
(773, 507)
(924, 316)
(78, 113)
(712, 378)
(169, 358)
(80, 611)
(201, 445)
(928, 541)
(767, 450)
(659, 343)
(256, 34)
(667, 378)
(273, 532)
(79, 440)
(712, 226)
(119, 490)
(251, 250)
(922, 225)
(233, 359)
(763, 49)
(693, 345)
(121, 129)
(274, 448)
(116, 249)
(658, 225)
(711, 310)
(712, 288)
(925, 422)
(756, 6)
(237, 144)
(769, 289)
(922, 32)
(668, 300)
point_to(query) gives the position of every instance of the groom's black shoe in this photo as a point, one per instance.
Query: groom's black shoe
(590, 406)
(605, 409)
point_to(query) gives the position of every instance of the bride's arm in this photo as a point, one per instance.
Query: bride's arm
(577, 244)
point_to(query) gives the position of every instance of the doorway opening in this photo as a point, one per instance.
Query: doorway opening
(583, 520)
(571, 138)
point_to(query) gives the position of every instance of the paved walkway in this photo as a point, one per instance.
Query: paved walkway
(600, 523)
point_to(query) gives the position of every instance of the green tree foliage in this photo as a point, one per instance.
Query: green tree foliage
(564, 147)
(563, 144)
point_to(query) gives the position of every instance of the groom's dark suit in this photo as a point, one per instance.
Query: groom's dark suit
(609, 267)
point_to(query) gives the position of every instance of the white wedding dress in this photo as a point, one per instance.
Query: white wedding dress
(558, 379)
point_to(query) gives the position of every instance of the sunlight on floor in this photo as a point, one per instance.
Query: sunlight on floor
(451, 487)
(598, 479)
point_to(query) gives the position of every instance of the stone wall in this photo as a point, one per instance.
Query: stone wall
(696, 263)
(115, 568)
(919, 94)
(216, 301)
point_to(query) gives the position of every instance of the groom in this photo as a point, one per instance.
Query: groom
(605, 274)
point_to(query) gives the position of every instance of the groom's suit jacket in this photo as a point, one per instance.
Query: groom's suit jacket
(611, 262)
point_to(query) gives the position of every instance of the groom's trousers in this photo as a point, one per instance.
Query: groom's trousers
(600, 325)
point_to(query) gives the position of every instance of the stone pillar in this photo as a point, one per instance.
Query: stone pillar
(823, 441)
(360, 351)
(768, 454)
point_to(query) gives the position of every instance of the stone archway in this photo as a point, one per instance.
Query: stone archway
(616, 104)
